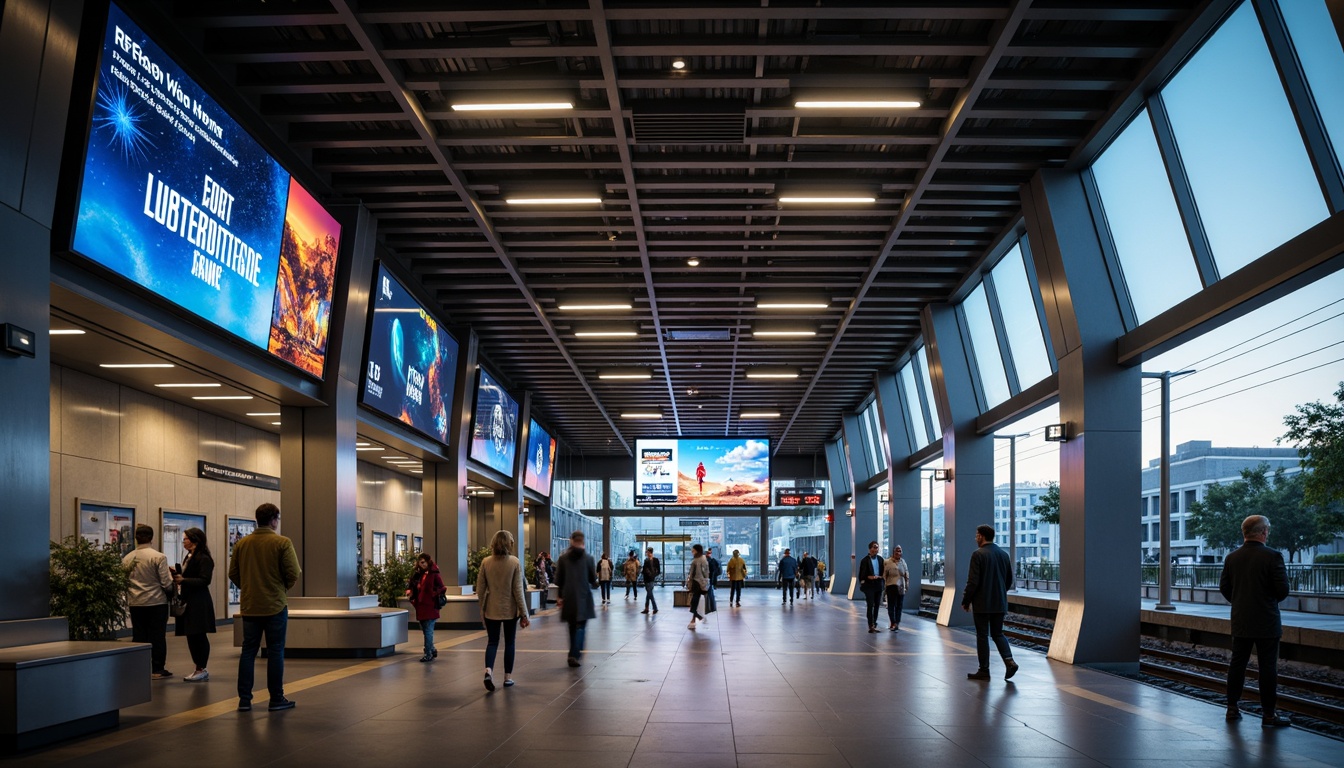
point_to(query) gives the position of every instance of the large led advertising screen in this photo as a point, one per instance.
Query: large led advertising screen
(178, 198)
(411, 362)
(494, 428)
(540, 456)
(710, 471)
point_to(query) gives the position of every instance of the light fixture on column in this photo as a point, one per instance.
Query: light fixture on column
(1056, 433)
(943, 474)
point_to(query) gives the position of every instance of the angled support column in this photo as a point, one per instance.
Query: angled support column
(445, 483)
(903, 486)
(1098, 620)
(968, 498)
(865, 505)
(841, 564)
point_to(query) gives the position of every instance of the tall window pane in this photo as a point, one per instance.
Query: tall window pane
(1322, 59)
(919, 434)
(1253, 183)
(986, 346)
(927, 384)
(1020, 320)
(1145, 224)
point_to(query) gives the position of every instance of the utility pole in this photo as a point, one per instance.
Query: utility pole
(1164, 558)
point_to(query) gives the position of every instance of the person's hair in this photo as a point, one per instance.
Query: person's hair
(502, 544)
(787, 550)
(1251, 526)
(698, 549)
(197, 537)
(649, 550)
(872, 544)
(576, 537)
(266, 513)
(143, 534)
(735, 551)
(426, 557)
(986, 532)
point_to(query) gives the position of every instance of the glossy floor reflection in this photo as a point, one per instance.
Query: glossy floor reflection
(758, 685)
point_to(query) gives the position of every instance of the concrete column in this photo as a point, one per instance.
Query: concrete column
(1098, 620)
(317, 444)
(763, 550)
(969, 496)
(865, 526)
(842, 547)
(903, 484)
(446, 520)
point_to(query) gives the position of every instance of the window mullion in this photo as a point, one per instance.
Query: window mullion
(1185, 195)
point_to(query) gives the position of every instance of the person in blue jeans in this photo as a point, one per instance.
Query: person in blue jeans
(264, 566)
(788, 572)
(652, 569)
(576, 577)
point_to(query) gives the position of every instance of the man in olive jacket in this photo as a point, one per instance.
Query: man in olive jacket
(987, 585)
(264, 566)
(1255, 581)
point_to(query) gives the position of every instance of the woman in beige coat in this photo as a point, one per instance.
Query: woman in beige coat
(499, 587)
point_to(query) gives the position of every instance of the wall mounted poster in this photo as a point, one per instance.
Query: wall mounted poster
(172, 532)
(179, 198)
(379, 548)
(101, 524)
(400, 545)
(494, 429)
(236, 528)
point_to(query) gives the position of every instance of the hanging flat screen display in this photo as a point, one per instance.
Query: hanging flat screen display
(411, 362)
(540, 468)
(694, 471)
(494, 428)
(178, 198)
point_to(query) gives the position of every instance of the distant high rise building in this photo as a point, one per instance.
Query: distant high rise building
(1036, 541)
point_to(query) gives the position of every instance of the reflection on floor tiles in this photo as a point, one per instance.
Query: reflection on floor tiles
(759, 685)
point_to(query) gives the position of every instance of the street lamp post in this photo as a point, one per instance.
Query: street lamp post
(1012, 494)
(932, 474)
(1164, 557)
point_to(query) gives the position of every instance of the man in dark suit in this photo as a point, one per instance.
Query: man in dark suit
(987, 585)
(1255, 581)
(871, 583)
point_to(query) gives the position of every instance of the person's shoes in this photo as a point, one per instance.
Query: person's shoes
(700, 617)
(425, 658)
(979, 674)
(489, 682)
(199, 676)
(739, 605)
(1233, 715)
(1276, 721)
(892, 628)
(872, 629)
(508, 682)
(691, 625)
(162, 674)
(573, 662)
(434, 652)
(655, 610)
(1012, 670)
(244, 706)
(278, 704)
(646, 610)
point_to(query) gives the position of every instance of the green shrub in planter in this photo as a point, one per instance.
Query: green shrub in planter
(475, 557)
(391, 580)
(88, 587)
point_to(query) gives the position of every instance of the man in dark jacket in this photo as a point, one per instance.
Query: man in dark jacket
(576, 578)
(715, 571)
(987, 585)
(1255, 581)
(787, 571)
(652, 569)
(871, 583)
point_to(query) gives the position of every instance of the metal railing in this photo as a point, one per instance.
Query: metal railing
(1303, 579)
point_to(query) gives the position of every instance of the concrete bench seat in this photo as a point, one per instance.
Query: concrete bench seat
(53, 689)
(339, 627)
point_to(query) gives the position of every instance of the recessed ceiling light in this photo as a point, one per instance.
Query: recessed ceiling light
(652, 415)
(692, 262)
(275, 423)
(269, 413)
(370, 448)
(136, 365)
(828, 199)
(395, 458)
(678, 64)
(758, 415)
(593, 305)
(361, 445)
(791, 302)
(223, 397)
(786, 333)
(417, 472)
(187, 386)
(606, 331)
(519, 106)
(67, 332)
(557, 200)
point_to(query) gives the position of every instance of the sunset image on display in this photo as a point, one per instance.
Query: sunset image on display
(308, 249)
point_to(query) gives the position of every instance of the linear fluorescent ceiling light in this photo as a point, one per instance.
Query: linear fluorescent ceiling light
(513, 106)
(606, 331)
(855, 103)
(783, 331)
(860, 96)
(136, 365)
(558, 200)
(650, 415)
(828, 199)
(275, 423)
(361, 445)
(187, 386)
(593, 304)
(67, 332)
(758, 415)
(791, 302)
(370, 448)
(612, 374)
(772, 373)
(268, 413)
(223, 397)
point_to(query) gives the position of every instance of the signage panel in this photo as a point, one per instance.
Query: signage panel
(800, 497)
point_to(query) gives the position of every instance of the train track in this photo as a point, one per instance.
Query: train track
(1161, 664)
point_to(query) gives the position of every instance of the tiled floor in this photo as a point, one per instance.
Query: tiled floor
(758, 685)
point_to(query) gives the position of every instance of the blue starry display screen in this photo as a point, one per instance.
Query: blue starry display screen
(411, 362)
(540, 457)
(494, 428)
(178, 198)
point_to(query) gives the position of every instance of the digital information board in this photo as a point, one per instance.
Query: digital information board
(717, 471)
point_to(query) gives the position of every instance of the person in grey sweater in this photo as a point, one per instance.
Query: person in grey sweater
(698, 582)
(503, 599)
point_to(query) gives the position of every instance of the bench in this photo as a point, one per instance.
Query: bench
(53, 689)
(339, 628)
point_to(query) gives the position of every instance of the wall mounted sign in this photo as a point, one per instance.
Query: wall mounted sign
(236, 476)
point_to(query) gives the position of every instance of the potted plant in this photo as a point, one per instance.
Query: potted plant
(391, 580)
(88, 587)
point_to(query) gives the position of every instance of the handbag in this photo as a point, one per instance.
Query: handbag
(177, 606)
(441, 600)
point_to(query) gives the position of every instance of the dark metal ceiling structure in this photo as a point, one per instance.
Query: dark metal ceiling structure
(688, 164)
